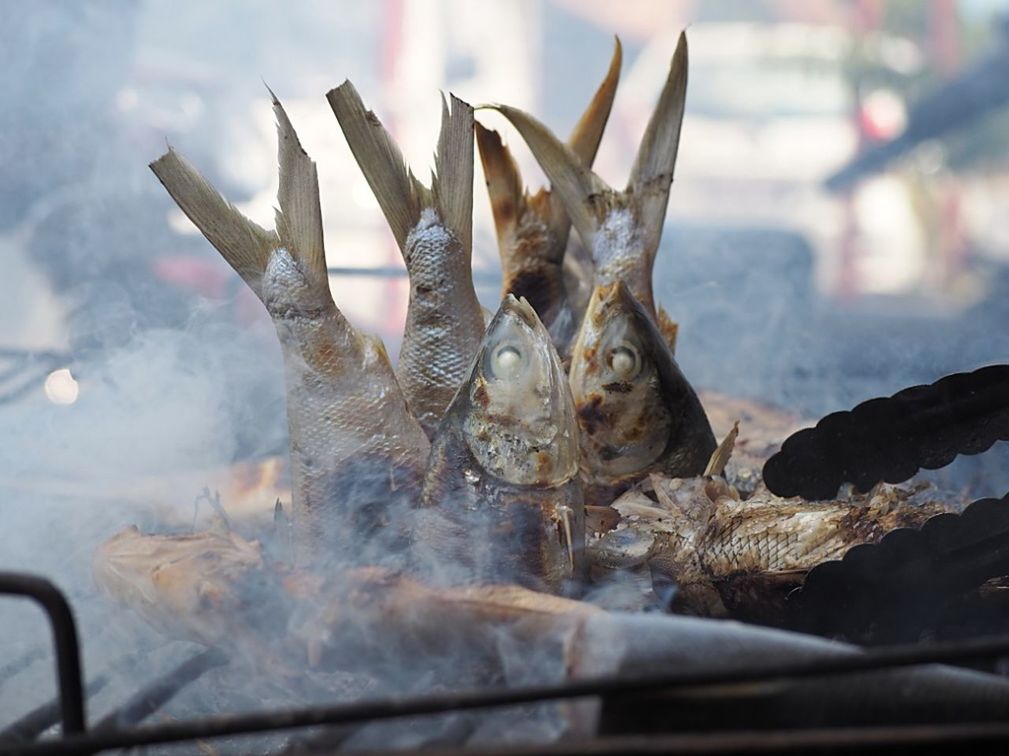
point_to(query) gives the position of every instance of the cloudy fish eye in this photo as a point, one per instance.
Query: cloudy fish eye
(625, 361)
(506, 362)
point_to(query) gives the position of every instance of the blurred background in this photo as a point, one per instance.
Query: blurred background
(838, 228)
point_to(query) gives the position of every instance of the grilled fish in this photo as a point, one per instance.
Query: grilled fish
(637, 414)
(345, 409)
(434, 230)
(741, 557)
(533, 230)
(621, 230)
(501, 495)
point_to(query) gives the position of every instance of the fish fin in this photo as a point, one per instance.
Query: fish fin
(652, 173)
(584, 196)
(400, 195)
(588, 132)
(720, 457)
(245, 245)
(669, 329)
(452, 183)
(504, 183)
(299, 218)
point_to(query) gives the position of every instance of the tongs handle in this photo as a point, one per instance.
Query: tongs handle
(913, 579)
(891, 439)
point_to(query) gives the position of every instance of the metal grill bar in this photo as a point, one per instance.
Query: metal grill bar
(265, 721)
(68, 654)
(151, 698)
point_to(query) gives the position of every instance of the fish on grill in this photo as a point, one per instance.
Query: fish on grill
(620, 229)
(434, 230)
(533, 229)
(637, 414)
(741, 557)
(346, 413)
(501, 499)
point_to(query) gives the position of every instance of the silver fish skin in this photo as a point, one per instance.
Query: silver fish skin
(620, 229)
(637, 413)
(501, 500)
(533, 228)
(434, 230)
(347, 416)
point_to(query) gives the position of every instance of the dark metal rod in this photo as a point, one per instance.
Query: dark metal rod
(42, 717)
(264, 721)
(23, 662)
(68, 655)
(147, 701)
(833, 740)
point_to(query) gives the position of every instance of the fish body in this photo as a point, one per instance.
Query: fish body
(434, 230)
(533, 229)
(501, 496)
(637, 414)
(345, 409)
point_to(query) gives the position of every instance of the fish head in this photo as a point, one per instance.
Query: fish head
(624, 385)
(519, 416)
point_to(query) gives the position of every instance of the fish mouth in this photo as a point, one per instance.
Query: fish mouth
(520, 308)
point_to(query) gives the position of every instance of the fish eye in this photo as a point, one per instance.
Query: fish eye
(506, 362)
(625, 361)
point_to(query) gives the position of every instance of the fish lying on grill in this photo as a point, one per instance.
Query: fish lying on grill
(347, 417)
(501, 494)
(533, 230)
(621, 230)
(434, 230)
(637, 414)
(729, 556)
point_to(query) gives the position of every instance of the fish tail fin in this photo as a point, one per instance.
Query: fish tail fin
(585, 197)
(452, 182)
(400, 195)
(504, 183)
(245, 245)
(588, 132)
(299, 215)
(652, 174)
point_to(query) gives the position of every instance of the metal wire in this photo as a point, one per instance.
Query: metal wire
(68, 655)
(265, 721)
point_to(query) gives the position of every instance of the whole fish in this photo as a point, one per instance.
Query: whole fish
(434, 230)
(501, 498)
(621, 230)
(637, 414)
(533, 229)
(349, 424)
(741, 557)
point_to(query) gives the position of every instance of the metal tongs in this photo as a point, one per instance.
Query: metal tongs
(949, 577)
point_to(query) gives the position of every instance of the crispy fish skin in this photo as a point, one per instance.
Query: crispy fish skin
(620, 229)
(637, 414)
(434, 230)
(533, 229)
(344, 406)
(742, 556)
(501, 496)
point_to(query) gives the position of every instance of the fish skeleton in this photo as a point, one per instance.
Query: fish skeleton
(345, 409)
(501, 495)
(736, 556)
(637, 414)
(434, 230)
(621, 230)
(533, 229)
